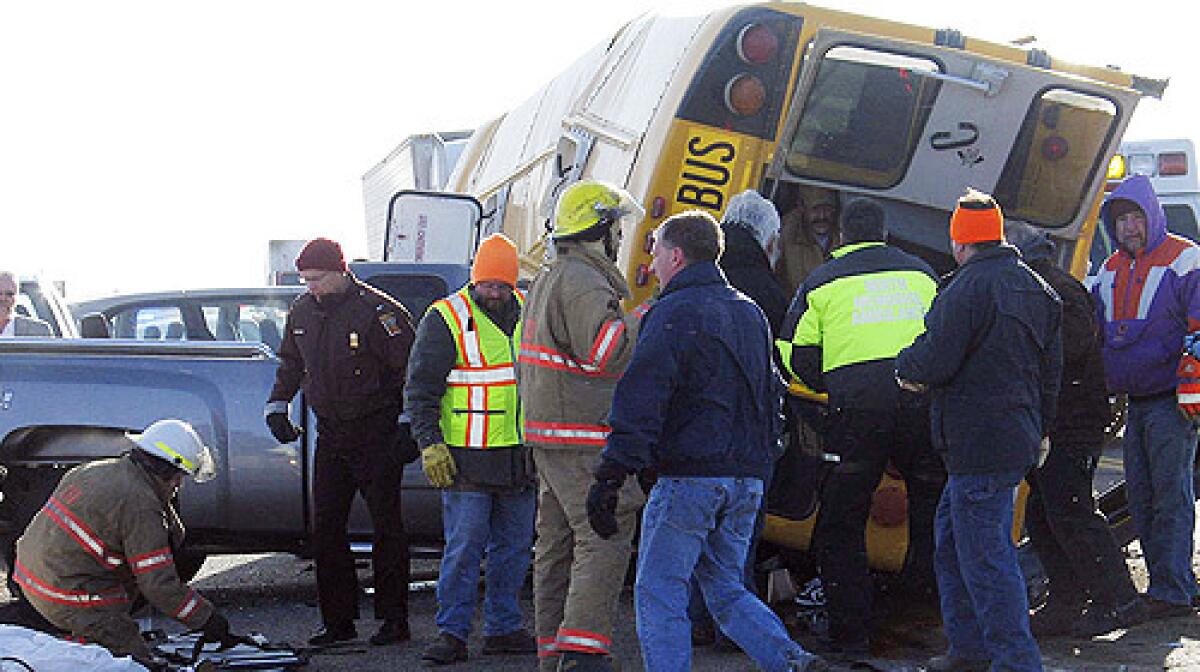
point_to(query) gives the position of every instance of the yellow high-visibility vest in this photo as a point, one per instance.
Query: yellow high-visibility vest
(481, 408)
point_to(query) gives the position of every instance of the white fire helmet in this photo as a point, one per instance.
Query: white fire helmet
(177, 443)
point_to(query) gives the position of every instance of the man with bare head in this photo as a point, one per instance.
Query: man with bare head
(809, 233)
(13, 325)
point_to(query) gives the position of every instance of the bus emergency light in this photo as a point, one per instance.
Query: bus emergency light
(745, 95)
(757, 45)
(1140, 164)
(1172, 163)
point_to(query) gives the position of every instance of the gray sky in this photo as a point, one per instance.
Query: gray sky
(159, 144)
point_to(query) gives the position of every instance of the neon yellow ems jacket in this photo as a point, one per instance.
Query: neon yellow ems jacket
(849, 320)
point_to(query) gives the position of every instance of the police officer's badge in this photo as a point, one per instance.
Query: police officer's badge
(388, 320)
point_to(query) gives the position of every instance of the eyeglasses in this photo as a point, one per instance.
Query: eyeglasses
(8, 293)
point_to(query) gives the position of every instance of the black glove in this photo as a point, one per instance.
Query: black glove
(647, 478)
(603, 497)
(216, 629)
(281, 428)
(602, 508)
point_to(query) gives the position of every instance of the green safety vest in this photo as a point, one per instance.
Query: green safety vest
(481, 408)
(862, 317)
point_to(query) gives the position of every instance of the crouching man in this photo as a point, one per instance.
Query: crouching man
(105, 536)
(699, 404)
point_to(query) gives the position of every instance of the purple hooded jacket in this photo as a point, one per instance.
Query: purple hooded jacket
(1148, 302)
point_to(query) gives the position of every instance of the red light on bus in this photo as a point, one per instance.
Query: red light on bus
(1172, 163)
(658, 207)
(1055, 147)
(756, 44)
(643, 276)
(745, 95)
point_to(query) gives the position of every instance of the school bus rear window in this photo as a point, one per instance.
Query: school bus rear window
(863, 117)
(1055, 157)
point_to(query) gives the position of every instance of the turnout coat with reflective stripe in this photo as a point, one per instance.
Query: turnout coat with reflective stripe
(480, 408)
(103, 536)
(575, 343)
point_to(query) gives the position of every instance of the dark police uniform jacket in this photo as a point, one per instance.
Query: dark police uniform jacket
(349, 351)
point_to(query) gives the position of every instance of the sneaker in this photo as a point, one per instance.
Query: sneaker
(1159, 609)
(517, 641)
(951, 663)
(333, 633)
(447, 650)
(391, 632)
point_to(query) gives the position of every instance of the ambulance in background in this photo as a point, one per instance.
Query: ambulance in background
(1171, 167)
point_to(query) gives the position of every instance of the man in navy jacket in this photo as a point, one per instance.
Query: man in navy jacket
(700, 405)
(991, 356)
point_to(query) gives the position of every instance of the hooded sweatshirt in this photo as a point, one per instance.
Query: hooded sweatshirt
(1148, 302)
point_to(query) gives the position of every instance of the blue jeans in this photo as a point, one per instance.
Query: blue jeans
(703, 526)
(475, 523)
(985, 610)
(1160, 449)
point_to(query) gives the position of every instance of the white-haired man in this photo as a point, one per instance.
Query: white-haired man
(13, 325)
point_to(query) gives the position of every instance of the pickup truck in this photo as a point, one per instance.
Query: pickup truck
(67, 401)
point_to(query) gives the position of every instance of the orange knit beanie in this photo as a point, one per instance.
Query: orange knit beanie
(977, 219)
(496, 260)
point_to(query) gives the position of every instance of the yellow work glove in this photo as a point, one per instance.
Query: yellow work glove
(439, 465)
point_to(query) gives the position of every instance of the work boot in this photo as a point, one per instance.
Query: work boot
(1159, 609)
(447, 650)
(391, 632)
(334, 633)
(1053, 620)
(574, 661)
(951, 663)
(517, 641)
(1097, 621)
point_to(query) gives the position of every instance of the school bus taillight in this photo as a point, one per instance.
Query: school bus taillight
(757, 44)
(745, 95)
(1172, 163)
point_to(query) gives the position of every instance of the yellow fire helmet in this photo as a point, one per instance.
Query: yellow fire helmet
(589, 203)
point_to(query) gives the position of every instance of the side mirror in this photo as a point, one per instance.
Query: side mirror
(94, 325)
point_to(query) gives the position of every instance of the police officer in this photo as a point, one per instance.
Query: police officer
(849, 319)
(346, 344)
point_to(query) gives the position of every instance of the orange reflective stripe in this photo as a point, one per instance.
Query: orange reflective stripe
(73, 598)
(582, 641)
(62, 516)
(148, 562)
(546, 647)
(566, 433)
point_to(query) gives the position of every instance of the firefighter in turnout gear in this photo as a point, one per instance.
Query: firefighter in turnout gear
(461, 394)
(576, 341)
(346, 344)
(849, 319)
(106, 536)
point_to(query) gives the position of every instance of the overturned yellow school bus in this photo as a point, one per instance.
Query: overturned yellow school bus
(684, 112)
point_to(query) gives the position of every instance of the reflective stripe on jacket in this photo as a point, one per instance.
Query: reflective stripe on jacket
(481, 407)
(576, 342)
(104, 535)
(851, 317)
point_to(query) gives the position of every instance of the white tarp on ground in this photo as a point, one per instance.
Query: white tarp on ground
(45, 653)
